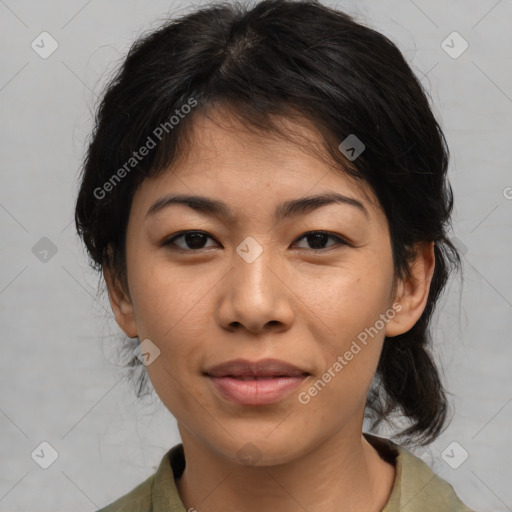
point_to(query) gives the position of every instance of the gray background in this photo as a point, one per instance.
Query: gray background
(59, 382)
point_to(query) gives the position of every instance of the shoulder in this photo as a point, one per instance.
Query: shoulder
(158, 492)
(138, 499)
(423, 490)
(417, 488)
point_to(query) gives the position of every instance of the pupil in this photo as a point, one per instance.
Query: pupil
(195, 240)
(317, 238)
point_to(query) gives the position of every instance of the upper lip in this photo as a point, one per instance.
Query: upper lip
(262, 368)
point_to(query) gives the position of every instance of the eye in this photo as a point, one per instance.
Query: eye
(318, 239)
(194, 240)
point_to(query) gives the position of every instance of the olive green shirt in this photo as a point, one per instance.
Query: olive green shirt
(416, 487)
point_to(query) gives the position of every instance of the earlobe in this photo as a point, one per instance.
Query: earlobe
(120, 302)
(413, 291)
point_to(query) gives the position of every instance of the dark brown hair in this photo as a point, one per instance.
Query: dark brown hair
(293, 59)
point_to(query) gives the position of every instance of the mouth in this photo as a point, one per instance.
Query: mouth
(255, 383)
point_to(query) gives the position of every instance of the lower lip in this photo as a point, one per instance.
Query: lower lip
(256, 392)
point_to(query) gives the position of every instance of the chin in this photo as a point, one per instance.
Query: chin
(254, 448)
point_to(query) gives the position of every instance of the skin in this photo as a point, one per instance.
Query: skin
(295, 302)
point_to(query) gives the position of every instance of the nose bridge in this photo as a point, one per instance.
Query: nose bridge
(252, 271)
(256, 293)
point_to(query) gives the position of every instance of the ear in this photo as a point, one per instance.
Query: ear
(412, 292)
(120, 302)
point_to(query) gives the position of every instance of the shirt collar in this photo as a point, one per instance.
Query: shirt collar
(414, 480)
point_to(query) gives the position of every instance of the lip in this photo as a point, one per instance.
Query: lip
(256, 382)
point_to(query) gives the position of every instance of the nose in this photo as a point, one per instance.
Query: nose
(256, 295)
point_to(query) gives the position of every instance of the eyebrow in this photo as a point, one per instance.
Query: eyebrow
(284, 210)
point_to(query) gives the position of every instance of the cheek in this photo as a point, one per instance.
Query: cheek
(171, 310)
(351, 348)
(165, 297)
(351, 300)
(352, 306)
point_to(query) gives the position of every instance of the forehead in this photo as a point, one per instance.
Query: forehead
(227, 160)
(220, 137)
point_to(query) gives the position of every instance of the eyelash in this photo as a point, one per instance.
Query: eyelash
(169, 243)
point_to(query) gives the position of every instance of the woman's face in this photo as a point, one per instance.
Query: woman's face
(253, 286)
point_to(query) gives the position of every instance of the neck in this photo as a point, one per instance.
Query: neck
(343, 474)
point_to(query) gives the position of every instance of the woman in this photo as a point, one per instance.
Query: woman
(266, 195)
